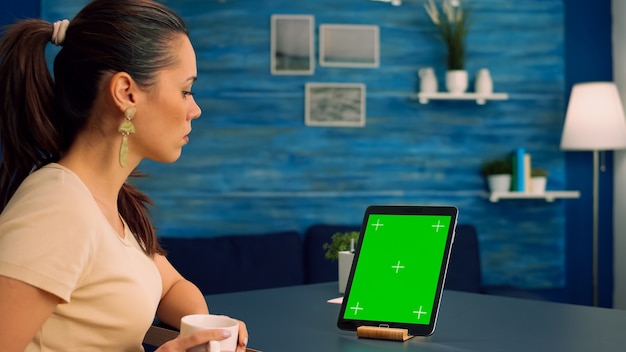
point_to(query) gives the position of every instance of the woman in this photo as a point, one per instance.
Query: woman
(80, 265)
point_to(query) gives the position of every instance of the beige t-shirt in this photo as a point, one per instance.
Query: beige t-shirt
(54, 237)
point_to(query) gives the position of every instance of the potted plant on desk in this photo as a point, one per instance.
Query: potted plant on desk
(498, 173)
(341, 249)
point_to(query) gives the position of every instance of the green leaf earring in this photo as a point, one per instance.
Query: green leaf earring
(126, 128)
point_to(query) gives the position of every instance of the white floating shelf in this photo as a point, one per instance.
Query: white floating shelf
(481, 99)
(549, 196)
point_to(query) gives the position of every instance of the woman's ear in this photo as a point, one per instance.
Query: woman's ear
(122, 90)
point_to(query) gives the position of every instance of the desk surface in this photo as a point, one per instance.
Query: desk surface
(299, 319)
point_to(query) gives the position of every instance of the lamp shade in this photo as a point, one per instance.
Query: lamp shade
(594, 119)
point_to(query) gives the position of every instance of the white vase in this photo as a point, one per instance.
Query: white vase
(499, 183)
(483, 83)
(456, 81)
(344, 266)
(538, 184)
(428, 80)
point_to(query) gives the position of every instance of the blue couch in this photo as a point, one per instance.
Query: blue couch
(247, 262)
(239, 262)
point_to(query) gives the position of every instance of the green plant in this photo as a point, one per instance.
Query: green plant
(453, 28)
(340, 241)
(538, 172)
(499, 166)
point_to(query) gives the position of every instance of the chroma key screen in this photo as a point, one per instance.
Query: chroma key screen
(398, 268)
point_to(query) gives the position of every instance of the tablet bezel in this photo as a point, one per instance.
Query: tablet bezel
(414, 329)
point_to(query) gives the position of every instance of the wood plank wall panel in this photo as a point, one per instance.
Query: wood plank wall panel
(253, 167)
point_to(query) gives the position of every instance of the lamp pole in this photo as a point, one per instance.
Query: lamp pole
(594, 121)
(596, 187)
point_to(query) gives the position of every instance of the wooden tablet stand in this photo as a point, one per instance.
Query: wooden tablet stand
(380, 333)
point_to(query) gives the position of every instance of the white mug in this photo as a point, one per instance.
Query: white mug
(196, 322)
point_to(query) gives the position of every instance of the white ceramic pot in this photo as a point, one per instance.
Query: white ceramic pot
(456, 81)
(345, 264)
(538, 184)
(499, 183)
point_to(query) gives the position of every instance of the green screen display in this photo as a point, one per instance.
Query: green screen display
(398, 268)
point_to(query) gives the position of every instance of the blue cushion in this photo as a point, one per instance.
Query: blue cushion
(464, 269)
(238, 263)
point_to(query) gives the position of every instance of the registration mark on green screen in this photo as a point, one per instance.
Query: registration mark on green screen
(398, 268)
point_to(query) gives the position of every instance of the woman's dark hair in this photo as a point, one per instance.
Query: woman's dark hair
(40, 117)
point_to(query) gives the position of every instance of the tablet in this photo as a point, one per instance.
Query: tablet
(399, 268)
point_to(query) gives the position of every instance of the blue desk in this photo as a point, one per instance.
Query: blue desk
(299, 319)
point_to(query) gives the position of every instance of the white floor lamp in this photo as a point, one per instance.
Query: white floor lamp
(594, 121)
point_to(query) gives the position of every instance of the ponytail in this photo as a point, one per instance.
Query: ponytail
(30, 130)
(39, 117)
(132, 205)
(29, 126)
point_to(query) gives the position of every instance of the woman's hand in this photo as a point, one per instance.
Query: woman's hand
(243, 337)
(181, 344)
(202, 337)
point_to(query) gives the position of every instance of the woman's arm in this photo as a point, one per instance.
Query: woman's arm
(24, 309)
(179, 298)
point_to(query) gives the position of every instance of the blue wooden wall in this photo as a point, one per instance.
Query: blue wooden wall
(252, 166)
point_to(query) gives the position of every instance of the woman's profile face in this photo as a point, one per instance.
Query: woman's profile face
(163, 121)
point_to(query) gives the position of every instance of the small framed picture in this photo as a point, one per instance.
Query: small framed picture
(335, 104)
(349, 45)
(292, 45)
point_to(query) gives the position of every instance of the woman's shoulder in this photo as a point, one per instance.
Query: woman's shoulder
(56, 179)
(52, 187)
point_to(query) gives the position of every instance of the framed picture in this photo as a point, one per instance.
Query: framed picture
(292, 45)
(349, 45)
(335, 104)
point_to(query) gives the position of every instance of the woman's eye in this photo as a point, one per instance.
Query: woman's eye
(187, 93)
